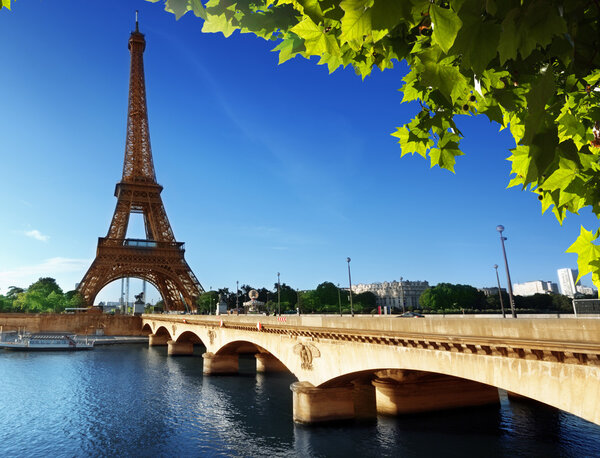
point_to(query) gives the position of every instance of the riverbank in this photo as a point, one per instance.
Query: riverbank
(114, 340)
(92, 324)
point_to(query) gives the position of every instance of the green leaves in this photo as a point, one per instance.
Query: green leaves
(525, 28)
(446, 25)
(438, 72)
(356, 23)
(180, 7)
(5, 4)
(316, 40)
(588, 254)
(291, 45)
(530, 65)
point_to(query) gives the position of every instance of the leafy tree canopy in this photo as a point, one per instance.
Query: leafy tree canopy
(446, 296)
(531, 66)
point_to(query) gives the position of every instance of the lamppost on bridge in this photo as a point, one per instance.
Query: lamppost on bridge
(500, 291)
(237, 296)
(350, 283)
(278, 296)
(210, 303)
(340, 299)
(500, 229)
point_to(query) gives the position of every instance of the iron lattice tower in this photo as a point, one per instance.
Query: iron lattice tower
(158, 258)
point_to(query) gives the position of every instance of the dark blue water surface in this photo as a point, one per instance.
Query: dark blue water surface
(130, 400)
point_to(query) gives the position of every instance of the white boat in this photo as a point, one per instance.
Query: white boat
(47, 342)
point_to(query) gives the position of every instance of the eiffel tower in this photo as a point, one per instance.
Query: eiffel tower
(158, 258)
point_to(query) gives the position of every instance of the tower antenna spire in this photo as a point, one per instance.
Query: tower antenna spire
(137, 28)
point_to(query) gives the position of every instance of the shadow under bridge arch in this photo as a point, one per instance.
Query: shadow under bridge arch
(228, 356)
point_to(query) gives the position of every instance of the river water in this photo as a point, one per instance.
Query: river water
(130, 400)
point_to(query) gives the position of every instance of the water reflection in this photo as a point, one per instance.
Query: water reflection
(137, 401)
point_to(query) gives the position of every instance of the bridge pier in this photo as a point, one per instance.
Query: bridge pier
(430, 392)
(220, 364)
(364, 400)
(180, 348)
(268, 363)
(317, 405)
(158, 340)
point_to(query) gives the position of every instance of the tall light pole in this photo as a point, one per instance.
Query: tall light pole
(500, 229)
(237, 295)
(401, 295)
(500, 292)
(340, 299)
(210, 303)
(278, 295)
(350, 283)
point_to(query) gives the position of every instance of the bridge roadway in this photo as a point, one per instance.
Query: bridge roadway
(358, 367)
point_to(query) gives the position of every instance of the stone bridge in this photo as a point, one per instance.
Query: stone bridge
(363, 366)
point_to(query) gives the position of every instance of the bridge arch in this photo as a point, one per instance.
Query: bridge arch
(189, 336)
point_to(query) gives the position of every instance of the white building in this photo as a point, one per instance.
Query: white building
(567, 281)
(529, 288)
(586, 290)
(491, 291)
(399, 294)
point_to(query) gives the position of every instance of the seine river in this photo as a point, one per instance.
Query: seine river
(130, 400)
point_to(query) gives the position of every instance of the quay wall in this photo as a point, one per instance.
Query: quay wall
(78, 323)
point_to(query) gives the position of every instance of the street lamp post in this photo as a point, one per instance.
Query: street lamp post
(350, 283)
(210, 303)
(340, 299)
(402, 295)
(278, 295)
(500, 291)
(237, 295)
(500, 229)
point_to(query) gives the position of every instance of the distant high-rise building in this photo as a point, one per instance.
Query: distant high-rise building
(529, 288)
(567, 279)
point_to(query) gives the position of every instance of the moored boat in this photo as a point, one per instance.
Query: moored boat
(47, 342)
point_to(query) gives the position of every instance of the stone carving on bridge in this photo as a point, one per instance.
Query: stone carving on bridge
(307, 353)
(174, 329)
(211, 336)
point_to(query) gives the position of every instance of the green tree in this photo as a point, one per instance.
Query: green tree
(534, 70)
(5, 304)
(493, 302)
(73, 299)
(327, 293)
(562, 303)
(288, 297)
(45, 286)
(366, 300)
(207, 302)
(446, 296)
(13, 292)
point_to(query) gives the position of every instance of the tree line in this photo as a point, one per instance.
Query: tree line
(326, 298)
(42, 296)
(449, 298)
(45, 296)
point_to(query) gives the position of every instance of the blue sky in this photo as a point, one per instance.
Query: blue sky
(266, 168)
